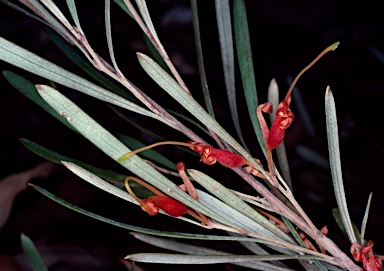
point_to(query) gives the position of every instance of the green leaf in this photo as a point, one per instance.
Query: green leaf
(32, 254)
(98, 182)
(244, 55)
(140, 229)
(107, 15)
(337, 216)
(262, 225)
(192, 249)
(72, 9)
(19, 57)
(142, 5)
(199, 259)
(57, 158)
(121, 4)
(224, 25)
(29, 90)
(200, 59)
(365, 219)
(299, 240)
(335, 163)
(105, 141)
(177, 92)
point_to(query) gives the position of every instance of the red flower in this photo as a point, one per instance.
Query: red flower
(152, 204)
(210, 155)
(284, 118)
(365, 254)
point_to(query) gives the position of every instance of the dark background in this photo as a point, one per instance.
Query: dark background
(285, 36)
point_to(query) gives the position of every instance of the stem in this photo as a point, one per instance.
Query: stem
(323, 241)
(326, 50)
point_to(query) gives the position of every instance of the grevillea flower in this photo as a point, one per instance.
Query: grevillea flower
(365, 254)
(284, 116)
(210, 155)
(152, 204)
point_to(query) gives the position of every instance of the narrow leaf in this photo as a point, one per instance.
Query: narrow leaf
(19, 57)
(198, 259)
(57, 158)
(142, 5)
(98, 182)
(263, 226)
(365, 219)
(121, 4)
(334, 160)
(192, 249)
(105, 141)
(200, 59)
(300, 241)
(29, 90)
(140, 229)
(32, 254)
(223, 16)
(57, 13)
(72, 9)
(177, 92)
(107, 14)
(244, 55)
